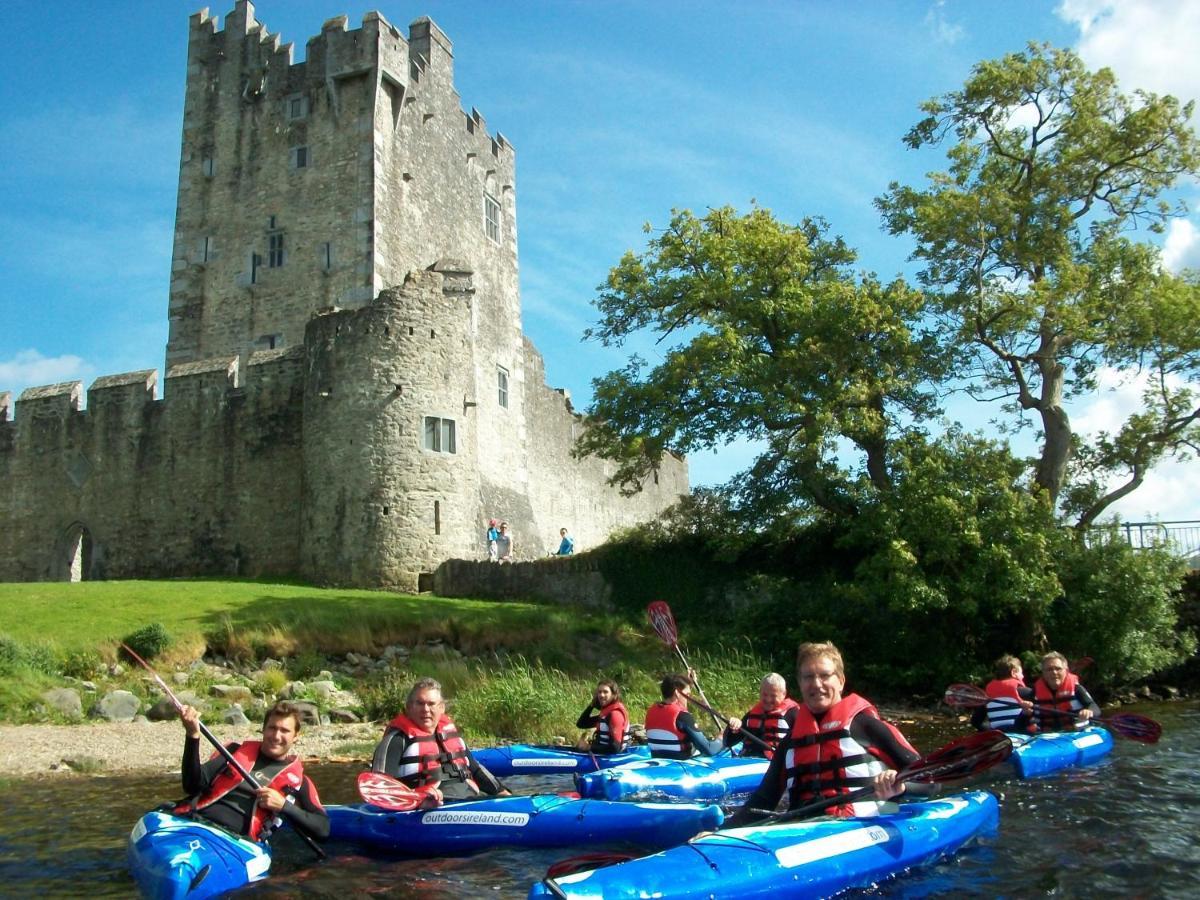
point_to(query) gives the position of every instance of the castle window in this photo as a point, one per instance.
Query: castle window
(297, 107)
(270, 223)
(275, 250)
(298, 158)
(208, 166)
(255, 265)
(439, 435)
(327, 256)
(207, 248)
(491, 217)
(502, 385)
(269, 342)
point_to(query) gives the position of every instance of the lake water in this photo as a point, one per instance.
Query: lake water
(1129, 827)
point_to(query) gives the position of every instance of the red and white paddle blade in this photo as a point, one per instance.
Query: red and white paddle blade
(386, 792)
(965, 695)
(663, 622)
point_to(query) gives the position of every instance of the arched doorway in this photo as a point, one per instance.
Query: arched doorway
(79, 553)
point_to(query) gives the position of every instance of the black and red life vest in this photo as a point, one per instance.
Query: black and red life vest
(428, 758)
(287, 781)
(663, 734)
(822, 759)
(770, 725)
(609, 737)
(1005, 715)
(1064, 700)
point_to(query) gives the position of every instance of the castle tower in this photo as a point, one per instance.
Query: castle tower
(315, 185)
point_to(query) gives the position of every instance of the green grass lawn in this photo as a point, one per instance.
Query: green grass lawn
(519, 670)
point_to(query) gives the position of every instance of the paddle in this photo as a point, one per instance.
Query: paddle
(1128, 725)
(961, 758)
(723, 720)
(663, 623)
(388, 793)
(212, 739)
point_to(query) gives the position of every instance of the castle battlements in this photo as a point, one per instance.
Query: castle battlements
(348, 392)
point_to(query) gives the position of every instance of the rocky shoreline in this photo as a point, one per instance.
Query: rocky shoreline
(122, 748)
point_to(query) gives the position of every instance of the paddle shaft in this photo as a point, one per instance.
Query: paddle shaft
(722, 720)
(221, 748)
(1061, 713)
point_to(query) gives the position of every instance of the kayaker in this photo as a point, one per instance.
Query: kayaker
(422, 747)
(770, 719)
(1062, 703)
(220, 795)
(610, 721)
(838, 743)
(671, 731)
(1005, 690)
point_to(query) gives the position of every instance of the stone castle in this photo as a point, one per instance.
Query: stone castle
(349, 395)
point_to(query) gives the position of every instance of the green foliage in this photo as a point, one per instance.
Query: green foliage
(148, 641)
(780, 341)
(1025, 244)
(82, 663)
(1120, 606)
(32, 656)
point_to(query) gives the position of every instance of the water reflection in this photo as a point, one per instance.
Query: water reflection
(1125, 828)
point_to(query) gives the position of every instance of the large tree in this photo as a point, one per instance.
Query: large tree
(772, 336)
(1026, 243)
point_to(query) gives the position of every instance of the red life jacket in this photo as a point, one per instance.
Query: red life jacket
(770, 725)
(287, 779)
(429, 757)
(1002, 715)
(611, 737)
(824, 760)
(662, 732)
(1063, 699)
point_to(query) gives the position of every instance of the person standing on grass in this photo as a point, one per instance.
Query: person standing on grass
(219, 794)
(422, 748)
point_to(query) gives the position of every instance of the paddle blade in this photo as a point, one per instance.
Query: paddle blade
(1130, 725)
(965, 695)
(960, 759)
(663, 622)
(586, 862)
(386, 792)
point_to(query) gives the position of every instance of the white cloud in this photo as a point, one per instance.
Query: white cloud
(1149, 44)
(28, 368)
(944, 32)
(1168, 492)
(1181, 248)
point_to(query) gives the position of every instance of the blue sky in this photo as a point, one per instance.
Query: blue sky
(619, 112)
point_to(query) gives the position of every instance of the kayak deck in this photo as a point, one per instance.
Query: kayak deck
(816, 858)
(535, 759)
(703, 778)
(1048, 752)
(541, 820)
(172, 857)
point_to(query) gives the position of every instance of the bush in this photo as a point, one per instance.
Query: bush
(148, 642)
(16, 656)
(82, 663)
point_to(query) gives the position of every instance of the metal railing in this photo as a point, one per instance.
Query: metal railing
(1181, 537)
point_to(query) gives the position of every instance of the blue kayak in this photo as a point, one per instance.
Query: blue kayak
(702, 778)
(172, 857)
(540, 820)
(1041, 754)
(815, 858)
(532, 759)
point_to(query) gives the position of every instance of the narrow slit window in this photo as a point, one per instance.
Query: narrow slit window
(275, 250)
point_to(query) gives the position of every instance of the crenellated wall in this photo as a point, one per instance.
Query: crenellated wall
(325, 308)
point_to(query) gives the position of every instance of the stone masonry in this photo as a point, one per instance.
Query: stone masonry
(349, 394)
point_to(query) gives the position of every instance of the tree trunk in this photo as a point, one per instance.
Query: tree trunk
(1057, 449)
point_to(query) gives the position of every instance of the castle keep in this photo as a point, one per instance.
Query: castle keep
(349, 395)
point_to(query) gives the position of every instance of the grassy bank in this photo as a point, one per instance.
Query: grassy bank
(513, 670)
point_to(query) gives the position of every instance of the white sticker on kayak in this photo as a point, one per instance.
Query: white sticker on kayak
(469, 817)
(833, 845)
(545, 763)
(945, 809)
(257, 867)
(1088, 740)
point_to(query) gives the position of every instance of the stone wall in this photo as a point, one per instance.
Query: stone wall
(570, 581)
